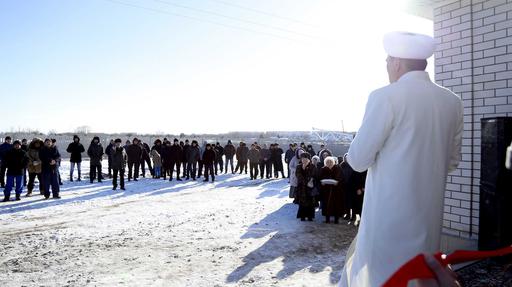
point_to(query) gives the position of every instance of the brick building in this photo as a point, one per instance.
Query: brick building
(474, 59)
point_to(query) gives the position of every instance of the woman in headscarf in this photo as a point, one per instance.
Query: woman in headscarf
(305, 188)
(331, 191)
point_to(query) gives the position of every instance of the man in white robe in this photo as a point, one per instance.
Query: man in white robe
(409, 140)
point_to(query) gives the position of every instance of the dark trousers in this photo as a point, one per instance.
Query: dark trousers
(254, 170)
(192, 169)
(185, 170)
(10, 185)
(242, 165)
(265, 169)
(278, 168)
(229, 160)
(93, 170)
(25, 177)
(219, 165)
(200, 170)
(178, 166)
(208, 170)
(288, 165)
(135, 167)
(3, 168)
(143, 166)
(50, 179)
(109, 166)
(121, 178)
(31, 182)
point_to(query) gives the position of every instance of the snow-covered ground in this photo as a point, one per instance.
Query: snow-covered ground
(235, 232)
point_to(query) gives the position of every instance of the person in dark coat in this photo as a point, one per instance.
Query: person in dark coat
(4, 148)
(290, 153)
(265, 163)
(75, 149)
(310, 150)
(157, 145)
(331, 194)
(108, 151)
(59, 160)
(146, 159)
(34, 166)
(229, 152)
(357, 202)
(219, 162)
(184, 146)
(134, 152)
(49, 156)
(95, 153)
(208, 161)
(24, 147)
(277, 160)
(192, 157)
(241, 155)
(166, 159)
(254, 159)
(305, 188)
(119, 159)
(349, 186)
(15, 161)
(175, 157)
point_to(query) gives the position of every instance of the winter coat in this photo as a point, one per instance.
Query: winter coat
(208, 156)
(184, 153)
(145, 152)
(219, 152)
(254, 156)
(95, 153)
(229, 151)
(175, 153)
(192, 154)
(311, 151)
(158, 148)
(75, 149)
(4, 148)
(241, 153)
(332, 195)
(293, 169)
(166, 156)
(134, 153)
(265, 154)
(157, 160)
(119, 158)
(47, 154)
(34, 162)
(276, 157)
(109, 150)
(289, 155)
(15, 160)
(304, 195)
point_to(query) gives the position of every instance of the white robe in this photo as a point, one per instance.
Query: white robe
(409, 140)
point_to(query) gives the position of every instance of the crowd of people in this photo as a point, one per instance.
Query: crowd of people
(316, 179)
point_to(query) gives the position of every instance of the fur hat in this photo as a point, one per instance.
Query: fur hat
(118, 140)
(16, 142)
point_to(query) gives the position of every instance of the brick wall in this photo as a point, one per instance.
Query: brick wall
(474, 59)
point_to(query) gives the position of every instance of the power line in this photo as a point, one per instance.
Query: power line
(204, 20)
(233, 18)
(263, 13)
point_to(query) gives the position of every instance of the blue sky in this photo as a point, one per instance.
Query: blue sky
(134, 65)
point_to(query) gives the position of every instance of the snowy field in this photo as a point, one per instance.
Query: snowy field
(235, 232)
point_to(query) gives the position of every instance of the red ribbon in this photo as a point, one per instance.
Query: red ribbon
(417, 267)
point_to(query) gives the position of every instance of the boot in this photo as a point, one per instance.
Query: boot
(29, 194)
(6, 199)
(18, 197)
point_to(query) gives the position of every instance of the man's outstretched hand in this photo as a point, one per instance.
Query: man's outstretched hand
(445, 277)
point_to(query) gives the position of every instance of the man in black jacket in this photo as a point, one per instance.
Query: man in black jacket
(290, 153)
(118, 164)
(4, 148)
(229, 152)
(208, 161)
(134, 152)
(184, 146)
(75, 149)
(175, 157)
(145, 159)
(108, 151)
(95, 153)
(49, 156)
(219, 152)
(192, 156)
(15, 161)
